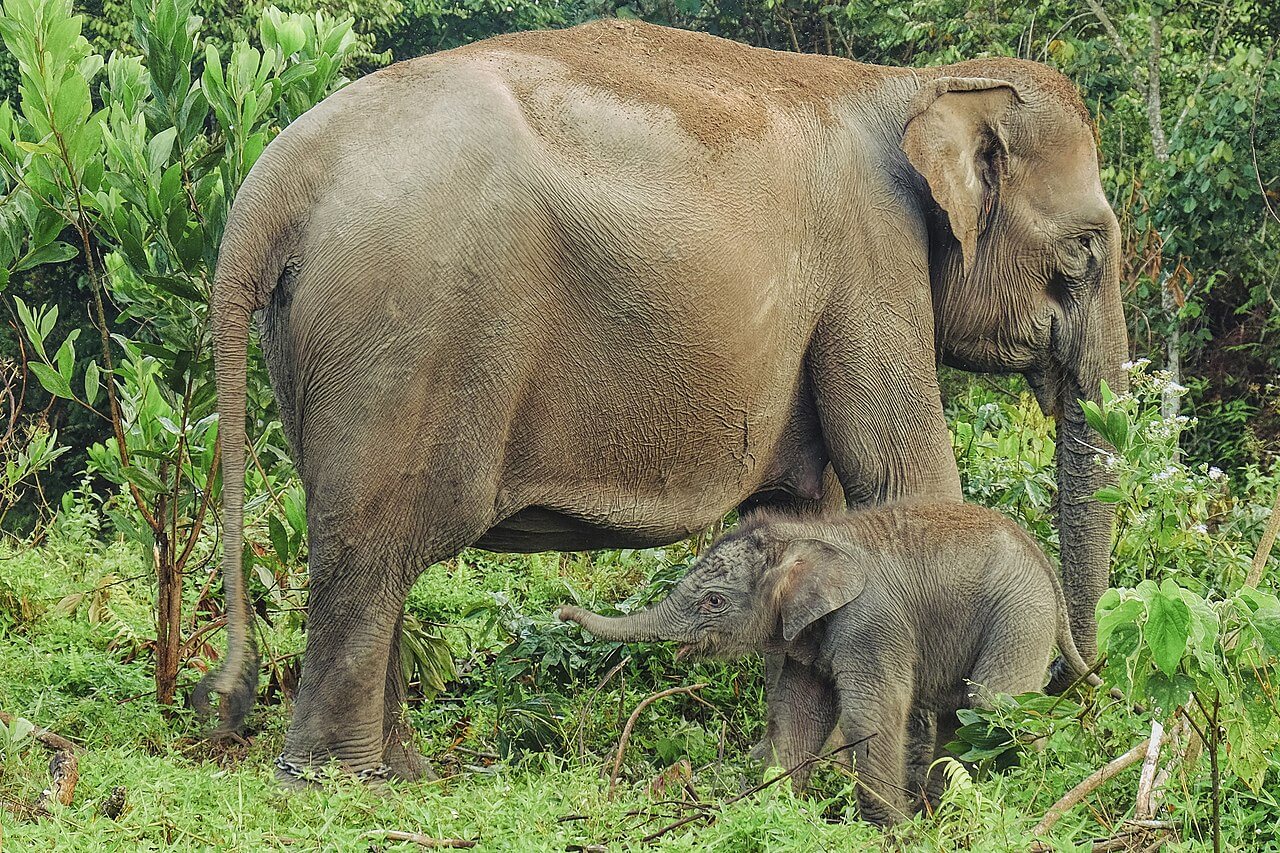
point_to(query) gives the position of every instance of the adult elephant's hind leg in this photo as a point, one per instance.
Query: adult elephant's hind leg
(359, 582)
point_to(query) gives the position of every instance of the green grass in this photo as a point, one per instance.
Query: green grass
(87, 676)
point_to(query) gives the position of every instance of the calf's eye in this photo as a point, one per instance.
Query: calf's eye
(714, 601)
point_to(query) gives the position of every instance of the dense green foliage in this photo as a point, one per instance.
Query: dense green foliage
(124, 133)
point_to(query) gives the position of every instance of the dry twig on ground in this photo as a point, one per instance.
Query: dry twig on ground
(709, 811)
(1150, 763)
(421, 840)
(631, 722)
(46, 737)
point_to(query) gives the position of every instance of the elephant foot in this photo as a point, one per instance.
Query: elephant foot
(398, 753)
(406, 764)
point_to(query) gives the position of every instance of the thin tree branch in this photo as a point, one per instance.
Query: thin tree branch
(1117, 42)
(1268, 540)
(1253, 132)
(1159, 144)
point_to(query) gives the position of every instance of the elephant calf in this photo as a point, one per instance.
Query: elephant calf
(895, 617)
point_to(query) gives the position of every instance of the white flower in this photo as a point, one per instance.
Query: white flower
(1201, 529)
(1166, 474)
(1134, 366)
(1215, 473)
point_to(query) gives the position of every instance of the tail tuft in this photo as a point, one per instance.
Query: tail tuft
(235, 683)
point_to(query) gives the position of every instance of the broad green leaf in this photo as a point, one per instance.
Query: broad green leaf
(53, 253)
(279, 538)
(92, 382)
(1168, 692)
(52, 380)
(148, 482)
(1167, 627)
(1109, 495)
(159, 149)
(66, 356)
(1113, 612)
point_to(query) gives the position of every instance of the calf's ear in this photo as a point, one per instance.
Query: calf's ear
(814, 577)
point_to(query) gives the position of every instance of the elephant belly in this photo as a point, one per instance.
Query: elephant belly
(538, 528)
(643, 506)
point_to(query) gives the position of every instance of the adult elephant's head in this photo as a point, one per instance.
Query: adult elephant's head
(1025, 258)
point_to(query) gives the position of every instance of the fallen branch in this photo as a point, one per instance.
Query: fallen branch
(631, 722)
(1091, 783)
(582, 718)
(421, 840)
(46, 737)
(1178, 752)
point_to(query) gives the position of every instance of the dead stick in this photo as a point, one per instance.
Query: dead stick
(631, 722)
(1095, 780)
(1177, 752)
(46, 737)
(420, 839)
(1150, 763)
(1265, 544)
(582, 718)
(189, 647)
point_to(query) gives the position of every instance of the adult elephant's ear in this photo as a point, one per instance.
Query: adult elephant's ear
(814, 578)
(955, 139)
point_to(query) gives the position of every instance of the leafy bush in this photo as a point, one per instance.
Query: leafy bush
(143, 182)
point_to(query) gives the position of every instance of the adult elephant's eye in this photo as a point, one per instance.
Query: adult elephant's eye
(714, 602)
(1080, 259)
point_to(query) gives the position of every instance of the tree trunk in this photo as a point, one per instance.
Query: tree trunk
(1171, 402)
(168, 611)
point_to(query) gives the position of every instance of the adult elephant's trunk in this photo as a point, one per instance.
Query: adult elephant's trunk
(1085, 524)
(653, 623)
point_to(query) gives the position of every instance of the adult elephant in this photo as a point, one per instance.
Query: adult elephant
(596, 287)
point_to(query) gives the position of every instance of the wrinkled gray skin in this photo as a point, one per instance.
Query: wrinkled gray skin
(596, 287)
(897, 617)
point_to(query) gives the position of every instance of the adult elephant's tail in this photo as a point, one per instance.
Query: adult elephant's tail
(256, 247)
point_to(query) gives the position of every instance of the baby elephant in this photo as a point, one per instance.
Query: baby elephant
(891, 619)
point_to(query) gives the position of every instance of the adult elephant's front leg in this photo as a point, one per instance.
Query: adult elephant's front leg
(879, 405)
(832, 501)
